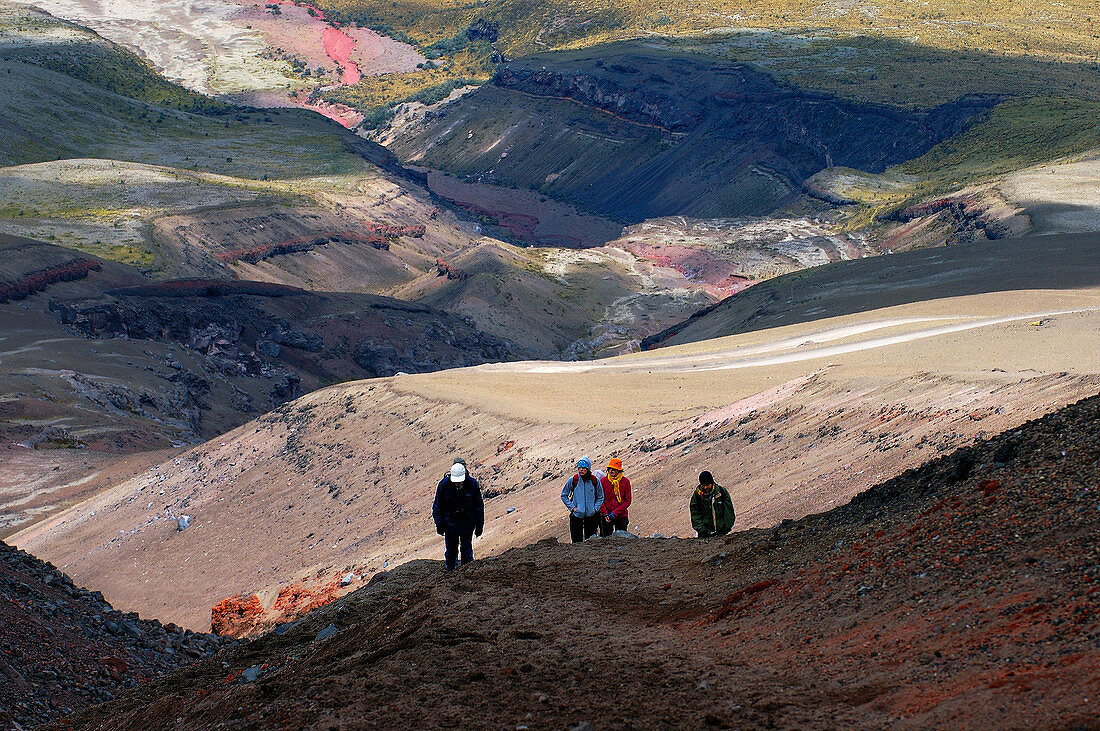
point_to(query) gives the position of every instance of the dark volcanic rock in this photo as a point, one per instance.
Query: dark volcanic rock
(287, 335)
(63, 648)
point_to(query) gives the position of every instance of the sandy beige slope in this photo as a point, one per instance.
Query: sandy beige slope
(793, 420)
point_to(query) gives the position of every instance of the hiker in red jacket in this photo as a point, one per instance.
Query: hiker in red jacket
(616, 498)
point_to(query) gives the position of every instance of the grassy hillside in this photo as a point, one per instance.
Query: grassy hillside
(39, 39)
(94, 144)
(886, 50)
(1043, 29)
(1016, 134)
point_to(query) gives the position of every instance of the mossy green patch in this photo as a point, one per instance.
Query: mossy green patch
(1016, 134)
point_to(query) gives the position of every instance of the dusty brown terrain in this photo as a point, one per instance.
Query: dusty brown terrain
(961, 594)
(342, 480)
(525, 217)
(99, 363)
(557, 302)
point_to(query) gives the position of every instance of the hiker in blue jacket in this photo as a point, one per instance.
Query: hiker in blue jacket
(459, 514)
(583, 496)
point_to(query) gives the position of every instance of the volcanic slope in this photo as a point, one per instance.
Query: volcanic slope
(633, 133)
(183, 186)
(793, 420)
(99, 362)
(560, 302)
(958, 594)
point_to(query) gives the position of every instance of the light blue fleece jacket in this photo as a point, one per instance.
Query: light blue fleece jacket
(587, 495)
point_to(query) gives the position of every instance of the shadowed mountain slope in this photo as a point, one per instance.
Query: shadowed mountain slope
(1038, 262)
(632, 133)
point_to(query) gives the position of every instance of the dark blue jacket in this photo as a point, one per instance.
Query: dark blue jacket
(458, 508)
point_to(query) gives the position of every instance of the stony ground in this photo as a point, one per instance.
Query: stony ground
(959, 594)
(62, 647)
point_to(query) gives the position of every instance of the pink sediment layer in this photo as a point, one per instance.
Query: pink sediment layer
(339, 113)
(695, 264)
(338, 46)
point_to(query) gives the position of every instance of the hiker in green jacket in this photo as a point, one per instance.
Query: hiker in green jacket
(711, 508)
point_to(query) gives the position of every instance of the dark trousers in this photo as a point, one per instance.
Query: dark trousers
(607, 527)
(582, 528)
(451, 542)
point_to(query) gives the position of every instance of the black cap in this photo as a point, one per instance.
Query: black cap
(705, 478)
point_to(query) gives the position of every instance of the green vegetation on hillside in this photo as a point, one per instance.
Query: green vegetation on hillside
(42, 40)
(96, 144)
(1041, 29)
(913, 55)
(892, 71)
(1015, 135)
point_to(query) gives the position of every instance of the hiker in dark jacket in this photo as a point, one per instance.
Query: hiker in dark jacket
(711, 508)
(616, 499)
(583, 496)
(459, 514)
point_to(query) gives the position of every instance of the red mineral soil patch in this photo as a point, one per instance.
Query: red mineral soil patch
(301, 31)
(339, 47)
(236, 616)
(343, 115)
(242, 616)
(375, 54)
(528, 217)
(696, 264)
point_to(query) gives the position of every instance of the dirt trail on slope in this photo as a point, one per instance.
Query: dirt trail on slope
(960, 594)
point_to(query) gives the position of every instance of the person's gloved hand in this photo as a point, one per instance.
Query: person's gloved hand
(440, 531)
(478, 532)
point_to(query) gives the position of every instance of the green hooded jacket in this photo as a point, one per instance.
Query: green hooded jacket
(712, 514)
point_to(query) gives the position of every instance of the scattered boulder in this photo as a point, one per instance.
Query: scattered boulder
(63, 648)
(330, 631)
(252, 674)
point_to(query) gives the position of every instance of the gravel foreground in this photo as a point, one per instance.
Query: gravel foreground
(960, 594)
(62, 647)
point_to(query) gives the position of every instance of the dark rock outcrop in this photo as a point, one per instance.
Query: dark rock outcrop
(293, 338)
(63, 648)
(35, 282)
